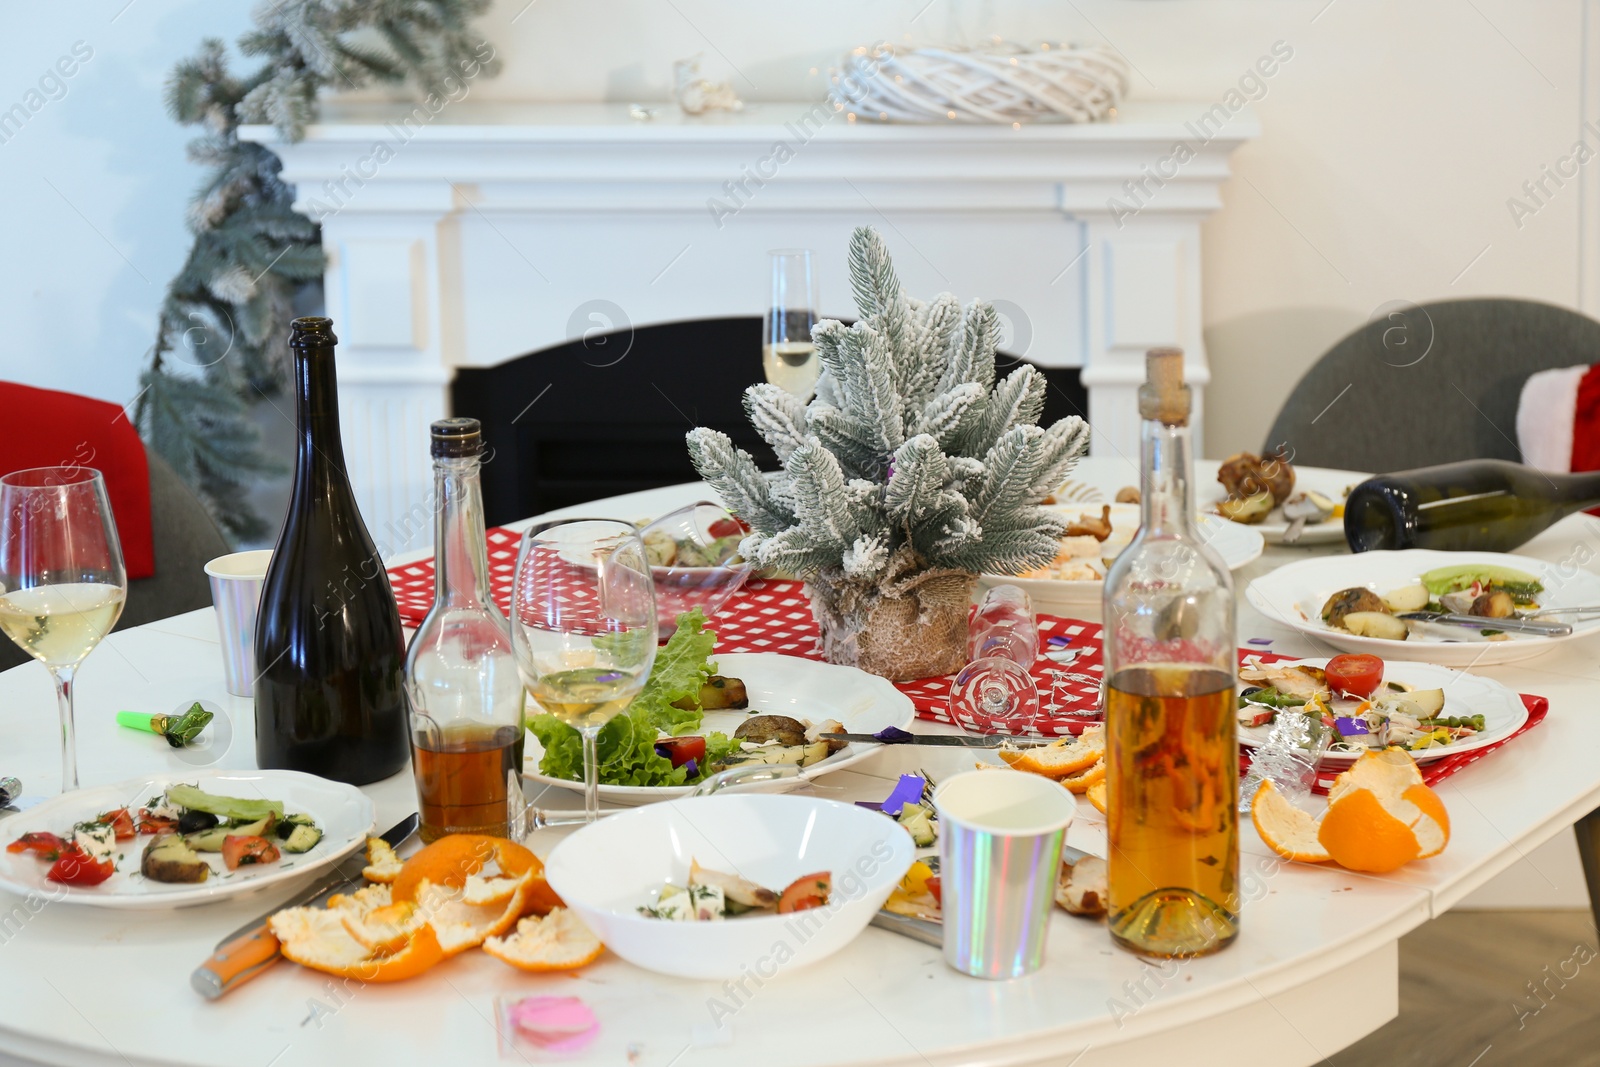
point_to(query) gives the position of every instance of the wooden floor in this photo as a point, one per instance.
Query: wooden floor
(1467, 994)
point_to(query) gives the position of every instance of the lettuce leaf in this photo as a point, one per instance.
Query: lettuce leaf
(626, 744)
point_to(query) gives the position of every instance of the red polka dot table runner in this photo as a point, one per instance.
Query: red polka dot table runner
(775, 616)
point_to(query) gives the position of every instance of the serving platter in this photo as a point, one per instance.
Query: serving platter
(1238, 545)
(786, 685)
(1464, 694)
(343, 812)
(1295, 593)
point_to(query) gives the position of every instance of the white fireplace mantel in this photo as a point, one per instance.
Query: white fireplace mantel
(489, 231)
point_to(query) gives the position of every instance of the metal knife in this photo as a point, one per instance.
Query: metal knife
(1482, 622)
(252, 948)
(947, 740)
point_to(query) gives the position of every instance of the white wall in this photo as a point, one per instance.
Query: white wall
(1392, 138)
(94, 186)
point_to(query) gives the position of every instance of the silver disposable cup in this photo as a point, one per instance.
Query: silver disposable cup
(236, 593)
(1000, 837)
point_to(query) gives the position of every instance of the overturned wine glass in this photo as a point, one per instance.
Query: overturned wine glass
(995, 690)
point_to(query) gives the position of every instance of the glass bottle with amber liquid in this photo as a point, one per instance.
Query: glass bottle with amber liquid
(463, 691)
(328, 643)
(1172, 760)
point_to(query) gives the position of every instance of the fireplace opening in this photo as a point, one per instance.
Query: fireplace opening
(606, 414)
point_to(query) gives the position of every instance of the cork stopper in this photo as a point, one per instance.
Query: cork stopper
(1163, 395)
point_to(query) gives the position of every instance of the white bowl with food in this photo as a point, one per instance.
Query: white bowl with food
(756, 861)
(1354, 603)
(1071, 584)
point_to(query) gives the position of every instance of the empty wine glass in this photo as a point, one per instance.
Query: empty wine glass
(62, 583)
(995, 689)
(694, 561)
(583, 626)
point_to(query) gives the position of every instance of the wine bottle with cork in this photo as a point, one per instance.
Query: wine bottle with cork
(1172, 759)
(329, 648)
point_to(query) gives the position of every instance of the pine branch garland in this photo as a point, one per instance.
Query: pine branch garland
(223, 323)
(910, 459)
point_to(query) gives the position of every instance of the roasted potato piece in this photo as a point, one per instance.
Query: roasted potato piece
(1349, 600)
(1128, 494)
(1246, 509)
(660, 549)
(167, 858)
(1495, 604)
(1246, 474)
(1376, 624)
(718, 693)
(1407, 598)
(759, 729)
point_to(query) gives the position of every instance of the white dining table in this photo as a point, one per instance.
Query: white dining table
(1314, 968)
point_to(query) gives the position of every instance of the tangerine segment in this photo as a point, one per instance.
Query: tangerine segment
(1362, 834)
(558, 942)
(1288, 830)
(451, 860)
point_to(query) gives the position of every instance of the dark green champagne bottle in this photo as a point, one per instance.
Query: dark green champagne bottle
(330, 697)
(1484, 505)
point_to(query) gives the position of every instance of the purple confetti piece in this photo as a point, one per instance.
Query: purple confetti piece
(1349, 727)
(893, 735)
(870, 805)
(663, 751)
(692, 768)
(1058, 641)
(906, 791)
(1259, 641)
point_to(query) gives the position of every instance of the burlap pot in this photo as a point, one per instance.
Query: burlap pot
(918, 630)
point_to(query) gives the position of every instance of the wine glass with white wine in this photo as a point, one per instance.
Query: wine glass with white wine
(788, 355)
(62, 583)
(583, 626)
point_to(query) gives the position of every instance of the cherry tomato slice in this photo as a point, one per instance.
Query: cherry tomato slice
(681, 750)
(239, 850)
(152, 824)
(42, 843)
(1354, 675)
(807, 891)
(935, 888)
(75, 867)
(727, 528)
(120, 821)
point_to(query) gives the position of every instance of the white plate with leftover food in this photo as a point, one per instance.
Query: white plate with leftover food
(1354, 602)
(183, 838)
(1071, 584)
(1430, 711)
(1235, 488)
(807, 693)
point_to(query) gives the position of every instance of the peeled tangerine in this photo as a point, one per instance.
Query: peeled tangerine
(1381, 815)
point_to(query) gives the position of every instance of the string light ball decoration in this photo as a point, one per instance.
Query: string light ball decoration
(1001, 82)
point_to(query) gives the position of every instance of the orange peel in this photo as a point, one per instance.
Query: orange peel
(1382, 815)
(318, 938)
(1288, 830)
(1082, 783)
(556, 942)
(1096, 795)
(1062, 758)
(383, 865)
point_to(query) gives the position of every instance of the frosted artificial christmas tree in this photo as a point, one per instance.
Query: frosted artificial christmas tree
(910, 473)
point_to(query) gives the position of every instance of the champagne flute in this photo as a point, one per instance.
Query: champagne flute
(788, 355)
(62, 583)
(583, 626)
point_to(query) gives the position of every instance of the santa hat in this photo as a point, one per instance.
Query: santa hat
(1558, 419)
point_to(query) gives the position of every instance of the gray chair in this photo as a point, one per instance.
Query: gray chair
(1433, 384)
(1430, 384)
(185, 539)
